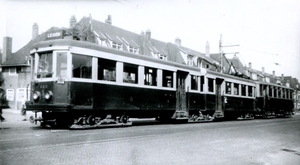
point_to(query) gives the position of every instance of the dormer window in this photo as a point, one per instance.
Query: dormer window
(117, 46)
(190, 60)
(267, 79)
(163, 57)
(133, 49)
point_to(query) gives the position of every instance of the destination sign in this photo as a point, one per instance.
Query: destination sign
(54, 35)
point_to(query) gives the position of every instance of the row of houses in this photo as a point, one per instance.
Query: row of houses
(15, 67)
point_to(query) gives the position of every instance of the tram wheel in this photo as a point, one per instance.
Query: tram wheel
(91, 120)
(124, 119)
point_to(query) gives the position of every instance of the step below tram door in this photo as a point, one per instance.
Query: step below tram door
(181, 112)
(219, 112)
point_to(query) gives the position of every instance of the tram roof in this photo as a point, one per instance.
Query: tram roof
(93, 46)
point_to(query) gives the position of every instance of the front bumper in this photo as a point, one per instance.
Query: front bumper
(47, 107)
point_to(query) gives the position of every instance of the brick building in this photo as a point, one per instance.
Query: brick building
(16, 66)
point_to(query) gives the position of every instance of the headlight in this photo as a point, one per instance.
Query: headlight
(48, 95)
(36, 95)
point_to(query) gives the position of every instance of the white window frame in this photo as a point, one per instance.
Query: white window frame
(14, 72)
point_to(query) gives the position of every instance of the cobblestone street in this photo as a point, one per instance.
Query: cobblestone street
(271, 141)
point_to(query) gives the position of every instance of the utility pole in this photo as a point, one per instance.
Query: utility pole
(221, 52)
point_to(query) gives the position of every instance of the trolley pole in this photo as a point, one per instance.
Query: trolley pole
(221, 52)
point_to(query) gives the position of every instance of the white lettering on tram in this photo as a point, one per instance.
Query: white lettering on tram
(50, 35)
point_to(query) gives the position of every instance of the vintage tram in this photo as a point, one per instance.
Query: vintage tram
(85, 83)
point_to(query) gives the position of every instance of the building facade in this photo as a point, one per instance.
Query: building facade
(16, 66)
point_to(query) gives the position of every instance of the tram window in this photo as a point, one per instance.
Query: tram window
(194, 82)
(45, 65)
(82, 66)
(106, 70)
(279, 92)
(61, 67)
(228, 88)
(283, 93)
(261, 90)
(150, 76)
(236, 89)
(210, 85)
(201, 83)
(275, 92)
(167, 79)
(243, 90)
(270, 91)
(130, 73)
(250, 92)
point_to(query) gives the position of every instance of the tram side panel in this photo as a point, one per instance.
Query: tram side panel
(238, 107)
(132, 101)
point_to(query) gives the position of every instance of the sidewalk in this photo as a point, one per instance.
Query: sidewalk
(14, 115)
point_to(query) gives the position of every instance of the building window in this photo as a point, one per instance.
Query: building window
(133, 49)
(194, 82)
(130, 73)
(190, 60)
(210, 85)
(150, 76)
(162, 57)
(12, 71)
(236, 89)
(117, 46)
(167, 79)
(228, 88)
(106, 70)
(82, 66)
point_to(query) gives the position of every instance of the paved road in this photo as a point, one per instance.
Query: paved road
(271, 141)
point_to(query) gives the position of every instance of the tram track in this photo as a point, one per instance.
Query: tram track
(88, 137)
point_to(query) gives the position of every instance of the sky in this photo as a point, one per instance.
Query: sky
(263, 32)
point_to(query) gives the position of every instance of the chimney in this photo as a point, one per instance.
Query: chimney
(35, 30)
(148, 34)
(178, 41)
(263, 70)
(7, 48)
(250, 65)
(73, 21)
(207, 49)
(108, 20)
(282, 77)
(273, 73)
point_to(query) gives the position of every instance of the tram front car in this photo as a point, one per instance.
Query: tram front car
(50, 88)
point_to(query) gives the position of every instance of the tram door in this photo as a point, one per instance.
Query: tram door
(181, 101)
(219, 108)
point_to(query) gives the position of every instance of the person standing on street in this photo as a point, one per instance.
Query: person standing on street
(2, 100)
